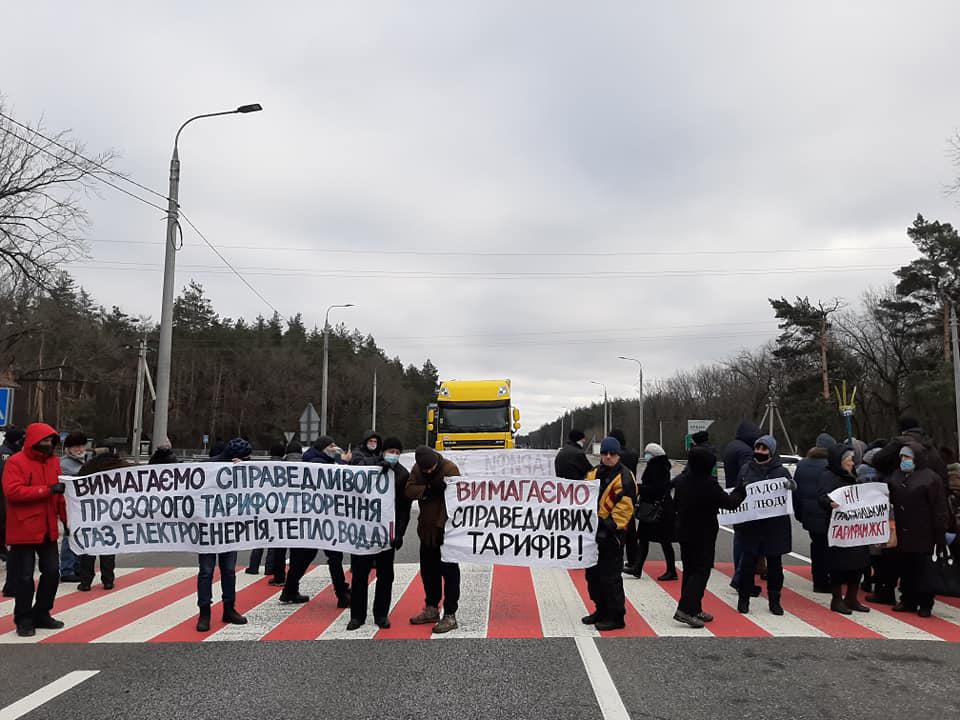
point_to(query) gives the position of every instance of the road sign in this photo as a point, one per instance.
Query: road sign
(288, 435)
(6, 405)
(309, 424)
(695, 426)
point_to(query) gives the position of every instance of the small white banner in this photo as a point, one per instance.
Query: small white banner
(220, 507)
(863, 517)
(765, 499)
(543, 522)
(500, 463)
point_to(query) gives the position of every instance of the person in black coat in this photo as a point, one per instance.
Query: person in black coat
(736, 455)
(919, 505)
(383, 560)
(654, 488)
(806, 508)
(571, 462)
(370, 450)
(698, 499)
(845, 565)
(769, 537)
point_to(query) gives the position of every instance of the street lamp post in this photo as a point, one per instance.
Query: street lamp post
(562, 419)
(326, 364)
(605, 416)
(640, 444)
(165, 345)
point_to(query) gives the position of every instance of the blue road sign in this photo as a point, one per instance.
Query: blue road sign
(6, 405)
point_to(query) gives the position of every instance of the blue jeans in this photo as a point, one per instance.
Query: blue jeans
(228, 577)
(69, 562)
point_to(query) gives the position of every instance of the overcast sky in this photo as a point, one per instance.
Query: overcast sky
(642, 151)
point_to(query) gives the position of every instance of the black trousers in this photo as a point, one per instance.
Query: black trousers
(441, 579)
(910, 567)
(630, 542)
(818, 559)
(696, 574)
(300, 559)
(643, 549)
(845, 577)
(360, 581)
(277, 564)
(605, 580)
(22, 559)
(108, 566)
(887, 571)
(748, 568)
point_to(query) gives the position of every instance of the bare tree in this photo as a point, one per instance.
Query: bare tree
(43, 177)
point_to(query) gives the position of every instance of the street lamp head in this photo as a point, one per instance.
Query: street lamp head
(253, 107)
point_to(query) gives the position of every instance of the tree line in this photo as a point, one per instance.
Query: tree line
(893, 344)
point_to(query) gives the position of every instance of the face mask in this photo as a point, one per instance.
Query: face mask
(907, 465)
(77, 452)
(44, 448)
(648, 456)
(372, 446)
(330, 453)
(761, 457)
(392, 459)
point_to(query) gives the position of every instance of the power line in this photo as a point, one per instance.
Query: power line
(227, 263)
(426, 275)
(102, 167)
(80, 169)
(543, 253)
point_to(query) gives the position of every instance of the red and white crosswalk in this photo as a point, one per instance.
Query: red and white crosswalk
(159, 605)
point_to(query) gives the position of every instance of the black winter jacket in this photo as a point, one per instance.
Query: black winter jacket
(655, 485)
(919, 505)
(832, 478)
(806, 505)
(571, 462)
(770, 536)
(739, 452)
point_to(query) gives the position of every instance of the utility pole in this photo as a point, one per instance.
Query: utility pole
(165, 347)
(562, 436)
(373, 424)
(606, 417)
(138, 402)
(640, 443)
(956, 365)
(326, 364)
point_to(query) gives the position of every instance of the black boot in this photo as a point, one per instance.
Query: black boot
(743, 604)
(852, 601)
(203, 622)
(837, 604)
(343, 599)
(774, 601)
(231, 616)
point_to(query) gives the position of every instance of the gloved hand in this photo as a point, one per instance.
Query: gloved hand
(437, 485)
(58, 488)
(790, 484)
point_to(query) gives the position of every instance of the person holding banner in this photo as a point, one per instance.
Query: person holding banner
(34, 496)
(108, 563)
(571, 462)
(382, 561)
(770, 537)
(698, 500)
(325, 452)
(919, 505)
(237, 450)
(845, 565)
(615, 508)
(427, 485)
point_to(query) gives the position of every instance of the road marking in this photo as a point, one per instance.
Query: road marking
(798, 556)
(45, 694)
(560, 605)
(608, 697)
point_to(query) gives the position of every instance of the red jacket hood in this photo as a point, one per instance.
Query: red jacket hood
(37, 432)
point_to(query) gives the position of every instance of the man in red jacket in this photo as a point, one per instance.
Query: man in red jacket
(34, 496)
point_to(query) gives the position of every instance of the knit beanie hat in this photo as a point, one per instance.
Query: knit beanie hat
(866, 473)
(769, 442)
(701, 437)
(238, 448)
(701, 461)
(575, 436)
(953, 469)
(907, 451)
(14, 437)
(654, 450)
(323, 442)
(392, 443)
(825, 441)
(426, 457)
(610, 445)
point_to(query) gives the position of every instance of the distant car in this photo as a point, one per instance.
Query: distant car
(790, 459)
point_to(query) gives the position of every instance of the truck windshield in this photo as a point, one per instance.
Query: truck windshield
(474, 418)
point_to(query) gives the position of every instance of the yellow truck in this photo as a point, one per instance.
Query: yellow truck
(472, 415)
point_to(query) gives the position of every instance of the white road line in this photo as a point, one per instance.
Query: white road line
(45, 694)
(798, 556)
(559, 603)
(476, 582)
(403, 575)
(271, 612)
(657, 607)
(103, 604)
(608, 697)
(889, 627)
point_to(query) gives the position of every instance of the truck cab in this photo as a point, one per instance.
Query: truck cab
(472, 415)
